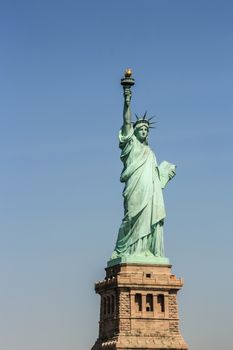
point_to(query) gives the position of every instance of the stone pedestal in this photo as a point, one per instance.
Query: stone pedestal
(138, 309)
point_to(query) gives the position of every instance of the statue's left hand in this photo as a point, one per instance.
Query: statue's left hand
(171, 174)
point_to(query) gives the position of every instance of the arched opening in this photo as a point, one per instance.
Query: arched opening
(105, 306)
(138, 302)
(108, 305)
(149, 303)
(113, 304)
(160, 302)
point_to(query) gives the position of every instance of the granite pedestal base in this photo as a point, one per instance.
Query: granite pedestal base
(138, 309)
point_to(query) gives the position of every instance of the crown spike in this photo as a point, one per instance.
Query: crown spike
(144, 117)
(151, 117)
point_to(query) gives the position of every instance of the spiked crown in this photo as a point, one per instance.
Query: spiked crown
(143, 120)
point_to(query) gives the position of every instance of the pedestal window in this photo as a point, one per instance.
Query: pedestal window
(149, 303)
(160, 302)
(138, 302)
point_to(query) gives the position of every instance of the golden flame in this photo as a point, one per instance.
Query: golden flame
(128, 73)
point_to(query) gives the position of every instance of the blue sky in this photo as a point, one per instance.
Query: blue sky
(60, 195)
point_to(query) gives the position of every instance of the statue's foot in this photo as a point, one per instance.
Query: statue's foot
(148, 253)
(157, 255)
(143, 253)
(114, 255)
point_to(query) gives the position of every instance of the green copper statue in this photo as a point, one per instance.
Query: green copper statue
(140, 237)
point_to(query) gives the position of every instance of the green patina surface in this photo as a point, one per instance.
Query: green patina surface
(139, 259)
(140, 237)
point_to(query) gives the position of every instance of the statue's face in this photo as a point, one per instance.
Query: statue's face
(141, 133)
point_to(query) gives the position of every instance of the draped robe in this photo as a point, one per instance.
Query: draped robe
(141, 230)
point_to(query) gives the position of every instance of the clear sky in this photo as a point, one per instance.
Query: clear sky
(60, 195)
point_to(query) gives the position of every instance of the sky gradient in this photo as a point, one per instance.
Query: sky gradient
(60, 195)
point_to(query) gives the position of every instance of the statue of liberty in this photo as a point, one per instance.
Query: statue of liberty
(140, 237)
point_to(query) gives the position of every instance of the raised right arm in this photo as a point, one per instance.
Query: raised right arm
(126, 112)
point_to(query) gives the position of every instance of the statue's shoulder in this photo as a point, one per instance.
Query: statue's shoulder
(124, 139)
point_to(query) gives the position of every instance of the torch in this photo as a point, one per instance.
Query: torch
(127, 82)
